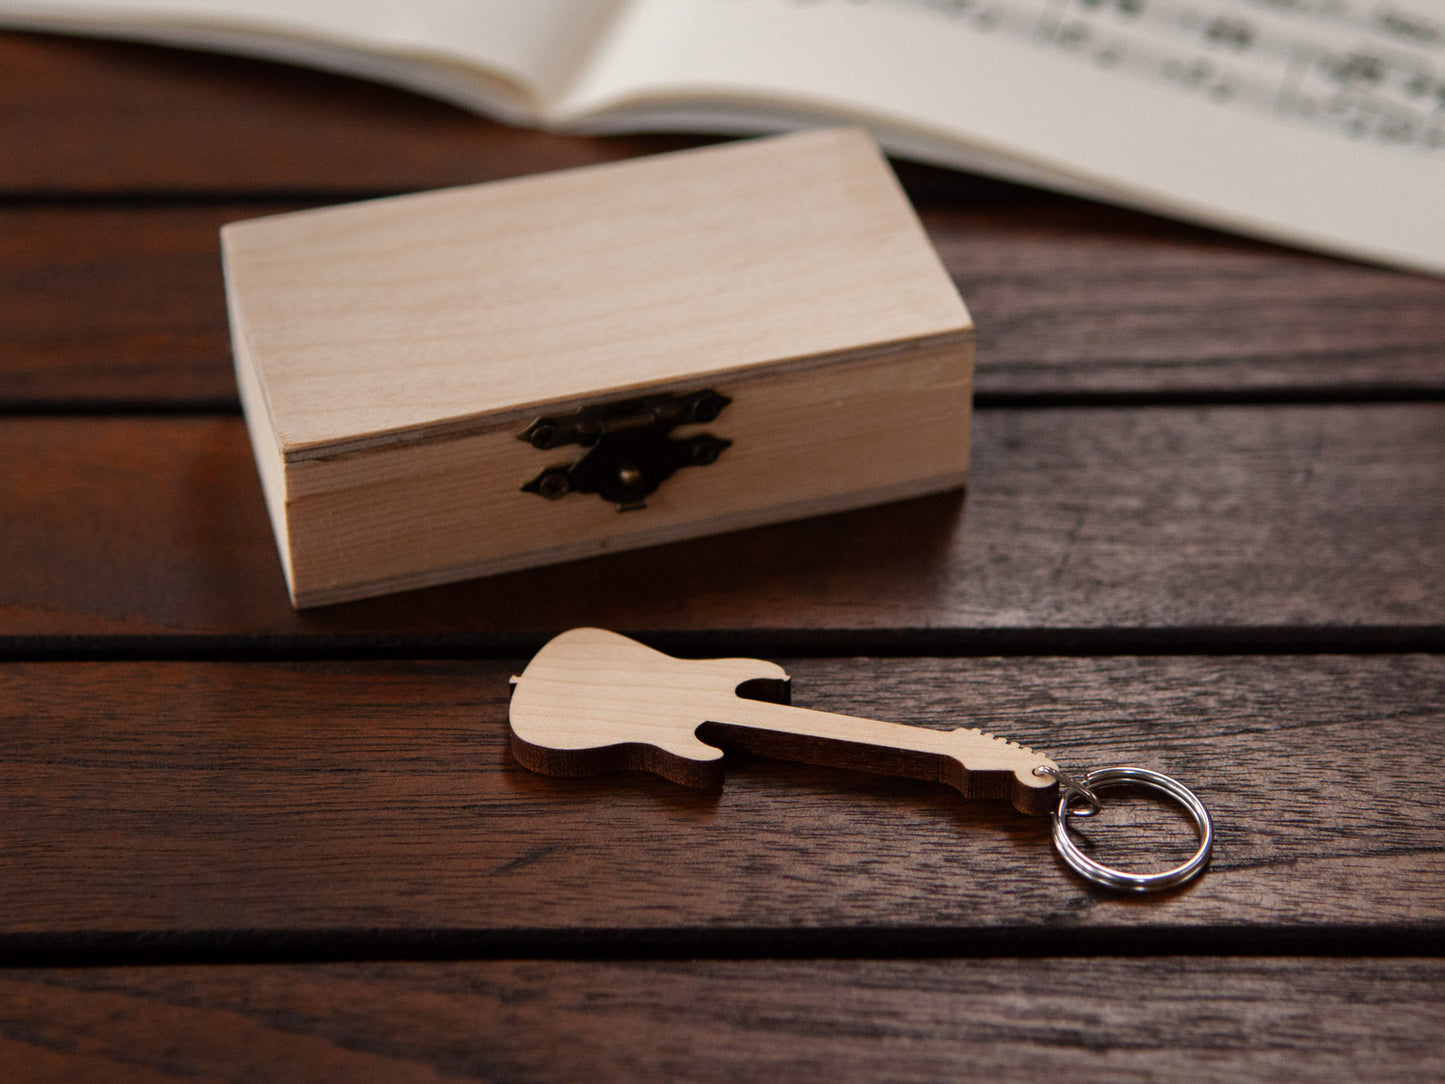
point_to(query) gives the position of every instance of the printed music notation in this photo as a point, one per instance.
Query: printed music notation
(1366, 69)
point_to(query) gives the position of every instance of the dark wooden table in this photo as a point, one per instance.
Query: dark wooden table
(1204, 534)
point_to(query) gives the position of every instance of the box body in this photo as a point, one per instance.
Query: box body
(394, 359)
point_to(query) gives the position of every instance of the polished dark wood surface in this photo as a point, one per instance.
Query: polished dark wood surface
(1084, 1018)
(1204, 533)
(1150, 525)
(378, 797)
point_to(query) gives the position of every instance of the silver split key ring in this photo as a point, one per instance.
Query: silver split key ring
(1074, 790)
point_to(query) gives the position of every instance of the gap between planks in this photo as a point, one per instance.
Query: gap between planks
(172, 948)
(798, 643)
(1282, 396)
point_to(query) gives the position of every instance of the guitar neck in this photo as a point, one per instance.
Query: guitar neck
(975, 764)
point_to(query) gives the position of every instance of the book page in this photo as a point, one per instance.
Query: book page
(1315, 122)
(502, 56)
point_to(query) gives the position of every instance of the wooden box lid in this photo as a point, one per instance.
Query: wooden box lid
(402, 322)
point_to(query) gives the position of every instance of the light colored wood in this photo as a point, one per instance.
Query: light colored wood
(804, 443)
(264, 448)
(389, 353)
(592, 701)
(410, 315)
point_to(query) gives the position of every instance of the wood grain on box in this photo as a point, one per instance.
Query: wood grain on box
(390, 352)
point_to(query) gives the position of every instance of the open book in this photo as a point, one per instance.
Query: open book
(1319, 123)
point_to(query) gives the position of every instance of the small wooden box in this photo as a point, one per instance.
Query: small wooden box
(469, 381)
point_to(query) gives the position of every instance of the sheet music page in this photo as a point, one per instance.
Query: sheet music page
(1318, 122)
(449, 48)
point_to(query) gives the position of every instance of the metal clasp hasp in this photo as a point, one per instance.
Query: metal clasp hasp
(630, 449)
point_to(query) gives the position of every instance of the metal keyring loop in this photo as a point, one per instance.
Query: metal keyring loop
(1112, 778)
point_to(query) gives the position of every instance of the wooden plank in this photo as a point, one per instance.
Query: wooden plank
(104, 118)
(125, 304)
(224, 809)
(1159, 519)
(106, 305)
(1070, 297)
(1012, 1019)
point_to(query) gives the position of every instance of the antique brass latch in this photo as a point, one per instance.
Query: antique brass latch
(630, 449)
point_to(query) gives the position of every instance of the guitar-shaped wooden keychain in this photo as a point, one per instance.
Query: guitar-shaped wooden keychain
(593, 701)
